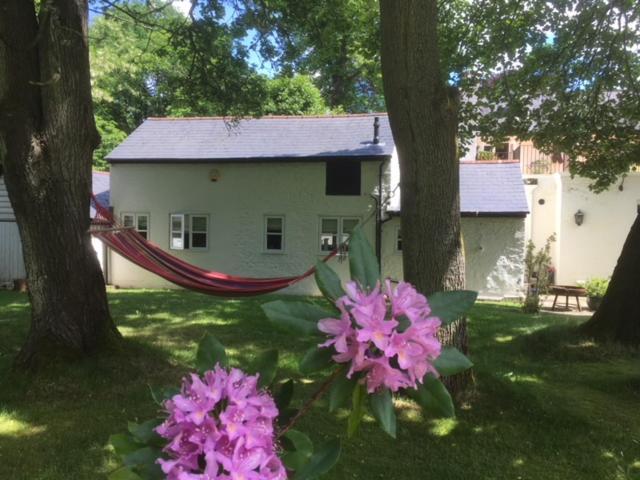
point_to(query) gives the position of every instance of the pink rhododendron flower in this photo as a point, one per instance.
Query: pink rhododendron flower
(220, 426)
(388, 336)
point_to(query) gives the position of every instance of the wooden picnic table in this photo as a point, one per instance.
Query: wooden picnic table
(567, 291)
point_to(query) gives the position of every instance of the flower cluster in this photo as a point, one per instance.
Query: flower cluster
(220, 427)
(389, 336)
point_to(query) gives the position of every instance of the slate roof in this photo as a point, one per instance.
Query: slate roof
(490, 189)
(101, 189)
(272, 138)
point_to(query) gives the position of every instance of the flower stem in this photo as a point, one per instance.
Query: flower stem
(312, 399)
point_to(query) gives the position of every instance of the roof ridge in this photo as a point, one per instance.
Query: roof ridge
(275, 117)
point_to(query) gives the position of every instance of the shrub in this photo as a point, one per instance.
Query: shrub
(596, 287)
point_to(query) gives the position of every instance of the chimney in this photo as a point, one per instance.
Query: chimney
(376, 130)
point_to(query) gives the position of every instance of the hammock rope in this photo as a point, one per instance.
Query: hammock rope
(131, 245)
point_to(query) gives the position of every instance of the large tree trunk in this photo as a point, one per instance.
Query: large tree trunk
(618, 317)
(423, 115)
(47, 136)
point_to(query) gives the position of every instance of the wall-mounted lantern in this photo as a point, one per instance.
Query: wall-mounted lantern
(579, 217)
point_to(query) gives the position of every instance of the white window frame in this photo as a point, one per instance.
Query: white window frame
(340, 234)
(135, 216)
(206, 232)
(172, 231)
(265, 234)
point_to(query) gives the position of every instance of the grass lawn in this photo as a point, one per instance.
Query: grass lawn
(547, 404)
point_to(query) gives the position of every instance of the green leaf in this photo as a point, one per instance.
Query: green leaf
(341, 390)
(316, 359)
(450, 306)
(357, 409)
(321, 462)
(145, 456)
(328, 282)
(284, 395)
(299, 449)
(299, 317)
(123, 473)
(124, 444)
(433, 397)
(144, 432)
(363, 262)
(451, 361)
(286, 415)
(210, 352)
(382, 408)
(266, 364)
(161, 395)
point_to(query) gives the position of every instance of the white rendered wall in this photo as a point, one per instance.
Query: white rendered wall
(494, 252)
(592, 249)
(237, 204)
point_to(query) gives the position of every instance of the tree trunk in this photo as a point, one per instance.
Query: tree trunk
(47, 136)
(423, 116)
(618, 316)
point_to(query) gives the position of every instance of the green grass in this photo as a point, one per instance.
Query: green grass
(547, 404)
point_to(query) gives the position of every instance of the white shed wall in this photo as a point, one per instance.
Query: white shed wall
(494, 253)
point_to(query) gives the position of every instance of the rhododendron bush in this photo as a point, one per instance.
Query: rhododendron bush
(378, 340)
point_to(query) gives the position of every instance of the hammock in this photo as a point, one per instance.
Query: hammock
(137, 249)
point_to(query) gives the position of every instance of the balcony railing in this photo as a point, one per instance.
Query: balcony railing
(532, 161)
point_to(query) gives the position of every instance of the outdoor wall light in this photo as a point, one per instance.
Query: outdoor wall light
(579, 217)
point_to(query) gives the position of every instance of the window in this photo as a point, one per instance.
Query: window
(139, 221)
(188, 231)
(343, 177)
(199, 231)
(334, 228)
(398, 240)
(274, 234)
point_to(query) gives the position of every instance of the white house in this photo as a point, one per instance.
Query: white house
(269, 197)
(11, 262)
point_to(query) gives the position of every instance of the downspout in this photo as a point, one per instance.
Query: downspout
(379, 207)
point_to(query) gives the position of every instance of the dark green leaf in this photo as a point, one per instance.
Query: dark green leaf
(298, 317)
(210, 352)
(357, 409)
(124, 444)
(321, 462)
(286, 415)
(328, 282)
(299, 449)
(363, 262)
(266, 364)
(451, 361)
(341, 391)
(316, 359)
(146, 456)
(144, 432)
(450, 306)
(284, 395)
(161, 395)
(433, 397)
(382, 408)
(124, 473)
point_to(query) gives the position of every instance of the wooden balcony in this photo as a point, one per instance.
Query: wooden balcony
(532, 161)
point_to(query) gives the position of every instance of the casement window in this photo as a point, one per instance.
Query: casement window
(335, 231)
(139, 221)
(188, 231)
(343, 177)
(274, 233)
(398, 240)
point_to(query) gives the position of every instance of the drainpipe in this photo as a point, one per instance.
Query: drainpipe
(379, 207)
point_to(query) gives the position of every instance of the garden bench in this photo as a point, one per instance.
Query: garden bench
(567, 291)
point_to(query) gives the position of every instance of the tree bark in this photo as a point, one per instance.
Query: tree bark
(423, 113)
(618, 316)
(47, 136)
